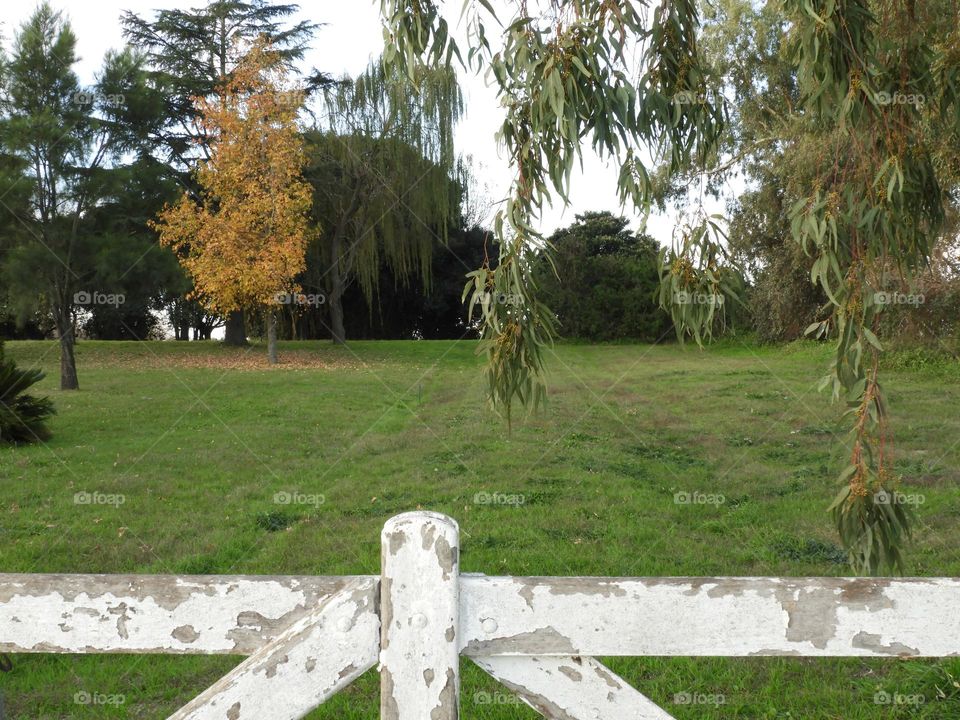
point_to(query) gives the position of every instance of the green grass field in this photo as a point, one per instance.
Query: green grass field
(198, 439)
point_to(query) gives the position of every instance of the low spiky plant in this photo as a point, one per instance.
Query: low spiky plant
(22, 417)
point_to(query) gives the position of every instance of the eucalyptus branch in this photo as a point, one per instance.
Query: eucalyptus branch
(563, 78)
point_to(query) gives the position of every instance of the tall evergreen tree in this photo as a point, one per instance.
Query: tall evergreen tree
(71, 142)
(190, 53)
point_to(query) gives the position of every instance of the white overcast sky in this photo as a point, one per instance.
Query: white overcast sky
(350, 38)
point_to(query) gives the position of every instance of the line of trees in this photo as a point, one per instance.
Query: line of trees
(271, 219)
(87, 170)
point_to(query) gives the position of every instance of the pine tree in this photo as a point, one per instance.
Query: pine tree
(71, 142)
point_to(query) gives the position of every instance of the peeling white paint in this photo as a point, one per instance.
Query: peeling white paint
(308, 637)
(812, 617)
(153, 613)
(571, 688)
(419, 651)
(306, 664)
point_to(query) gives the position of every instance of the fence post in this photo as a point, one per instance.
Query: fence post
(419, 610)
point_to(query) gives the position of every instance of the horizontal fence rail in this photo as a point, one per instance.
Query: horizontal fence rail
(192, 614)
(308, 637)
(723, 616)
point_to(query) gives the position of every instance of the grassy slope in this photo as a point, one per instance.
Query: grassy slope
(198, 451)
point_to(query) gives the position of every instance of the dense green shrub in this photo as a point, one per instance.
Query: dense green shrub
(22, 417)
(607, 284)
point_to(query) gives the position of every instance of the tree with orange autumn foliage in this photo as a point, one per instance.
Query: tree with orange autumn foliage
(244, 238)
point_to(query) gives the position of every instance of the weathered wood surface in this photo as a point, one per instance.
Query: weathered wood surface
(308, 637)
(419, 601)
(319, 655)
(571, 688)
(218, 614)
(812, 617)
(555, 616)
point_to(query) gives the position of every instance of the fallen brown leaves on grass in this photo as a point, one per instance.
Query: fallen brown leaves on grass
(254, 359)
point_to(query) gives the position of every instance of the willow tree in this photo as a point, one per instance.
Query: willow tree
(565, 76)
(385, 176)
(872, 72)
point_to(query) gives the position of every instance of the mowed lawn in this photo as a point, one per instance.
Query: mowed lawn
(199, 439)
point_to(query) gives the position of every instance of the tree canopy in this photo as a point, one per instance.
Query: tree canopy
(244, 243)
(387, 182)
(602, 281)
(190, 53)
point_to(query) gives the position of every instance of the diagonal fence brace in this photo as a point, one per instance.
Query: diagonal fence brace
(316, 657)
(571, 688)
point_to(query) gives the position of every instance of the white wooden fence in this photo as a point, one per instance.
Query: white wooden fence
(308, 637)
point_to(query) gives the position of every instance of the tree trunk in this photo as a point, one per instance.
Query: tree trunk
(68, 362)
(236, 330)
(293, 325)
(337, 331)
(272, 337)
